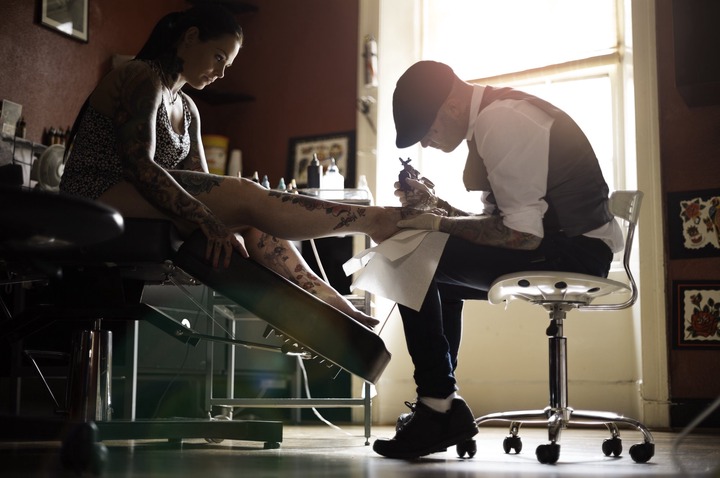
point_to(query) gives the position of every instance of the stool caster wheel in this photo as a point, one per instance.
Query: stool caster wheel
(548, 454)
(271, 445)
(612, 446)
(468, 447)
(512, 443)
(642, 452)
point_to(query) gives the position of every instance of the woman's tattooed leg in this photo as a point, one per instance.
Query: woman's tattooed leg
(282, 257)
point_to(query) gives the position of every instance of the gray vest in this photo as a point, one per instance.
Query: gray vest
(576, 194)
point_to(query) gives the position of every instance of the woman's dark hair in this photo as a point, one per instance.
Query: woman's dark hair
(212, 21)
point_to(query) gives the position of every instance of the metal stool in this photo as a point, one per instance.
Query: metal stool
(558, 293)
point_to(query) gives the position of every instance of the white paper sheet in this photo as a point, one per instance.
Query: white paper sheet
(400, 268)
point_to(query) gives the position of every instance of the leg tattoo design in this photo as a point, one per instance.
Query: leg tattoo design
(345, 214)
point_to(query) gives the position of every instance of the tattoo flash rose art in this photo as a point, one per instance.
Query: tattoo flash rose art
(693, 219)
(701, 222)
(698, 314)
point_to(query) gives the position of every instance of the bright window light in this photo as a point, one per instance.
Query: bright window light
(486, 38)
(483, 38)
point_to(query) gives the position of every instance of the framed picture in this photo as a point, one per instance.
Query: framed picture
(340, 146)
(69, 17)
(696, 314)
(693, 224)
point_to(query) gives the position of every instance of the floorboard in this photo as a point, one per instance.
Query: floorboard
(320, 451)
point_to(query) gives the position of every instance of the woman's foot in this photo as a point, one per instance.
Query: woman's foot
(345, 306)
(383, 222)
(363, 318)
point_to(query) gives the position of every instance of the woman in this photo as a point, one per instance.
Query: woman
(136, 146)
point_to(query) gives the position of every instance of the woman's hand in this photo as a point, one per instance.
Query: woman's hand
(221, 240)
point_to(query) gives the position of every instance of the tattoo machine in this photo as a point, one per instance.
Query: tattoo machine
(408, 172)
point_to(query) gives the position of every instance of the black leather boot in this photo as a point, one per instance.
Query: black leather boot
(426, 431)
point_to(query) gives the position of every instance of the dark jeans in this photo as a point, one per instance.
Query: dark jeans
(466, 271)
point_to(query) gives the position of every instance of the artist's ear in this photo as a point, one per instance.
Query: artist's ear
(453, 107)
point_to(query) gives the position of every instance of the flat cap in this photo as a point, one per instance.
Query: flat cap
(419, 94)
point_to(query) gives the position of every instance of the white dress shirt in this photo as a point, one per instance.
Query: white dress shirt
(513, 138)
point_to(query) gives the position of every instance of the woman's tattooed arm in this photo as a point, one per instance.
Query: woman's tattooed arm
(137, 101)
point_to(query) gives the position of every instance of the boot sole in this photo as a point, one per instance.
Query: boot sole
(435, 448)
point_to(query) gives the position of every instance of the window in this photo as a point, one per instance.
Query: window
(564, 51)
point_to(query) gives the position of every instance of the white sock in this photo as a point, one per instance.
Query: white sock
(441, 405)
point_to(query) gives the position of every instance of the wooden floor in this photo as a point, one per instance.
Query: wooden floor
(320, 451)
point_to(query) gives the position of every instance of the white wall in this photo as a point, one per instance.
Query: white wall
(651, 328)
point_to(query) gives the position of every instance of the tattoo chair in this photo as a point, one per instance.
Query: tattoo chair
(558, 293)
(96, 265)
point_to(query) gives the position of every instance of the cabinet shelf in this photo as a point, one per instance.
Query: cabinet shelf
(24, 143)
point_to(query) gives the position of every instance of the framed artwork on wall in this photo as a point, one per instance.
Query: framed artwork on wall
(693, 224)
(696, 314)
(340, 146)
(69, 17)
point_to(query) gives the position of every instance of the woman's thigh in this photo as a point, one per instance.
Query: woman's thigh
(222, 195)
(235, 202)
(128, 201)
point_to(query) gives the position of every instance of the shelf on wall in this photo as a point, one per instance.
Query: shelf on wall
(218, 97)
(24, 143)
(235, 6)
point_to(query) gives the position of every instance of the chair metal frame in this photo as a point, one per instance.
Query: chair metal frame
(558, 293)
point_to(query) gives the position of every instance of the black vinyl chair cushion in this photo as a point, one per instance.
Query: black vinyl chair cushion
(295, 313)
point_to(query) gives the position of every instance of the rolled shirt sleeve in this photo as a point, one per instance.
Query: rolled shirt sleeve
(513, 138)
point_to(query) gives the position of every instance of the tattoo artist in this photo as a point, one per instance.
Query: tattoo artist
(545, 208)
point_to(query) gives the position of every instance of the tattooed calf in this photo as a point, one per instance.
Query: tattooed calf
(274, 252)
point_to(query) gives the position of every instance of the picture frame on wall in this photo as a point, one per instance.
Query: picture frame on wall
(69, 17)
(693, 224)
(340, 146)
(696, 314)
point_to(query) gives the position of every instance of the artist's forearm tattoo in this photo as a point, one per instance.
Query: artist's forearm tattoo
(490, 231)
(345, 214)
(449, 209)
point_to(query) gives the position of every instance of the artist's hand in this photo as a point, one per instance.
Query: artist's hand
(420, 195)
(425, 221)
(221, 241)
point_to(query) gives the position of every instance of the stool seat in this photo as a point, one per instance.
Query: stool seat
(35, 221)
(552, 287)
